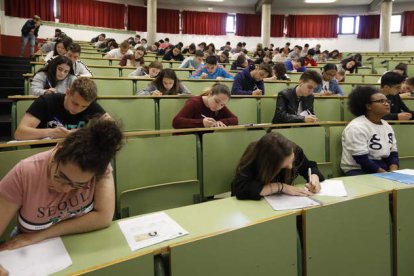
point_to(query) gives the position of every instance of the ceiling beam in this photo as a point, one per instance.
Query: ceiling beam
(259, 3)
(373, 6)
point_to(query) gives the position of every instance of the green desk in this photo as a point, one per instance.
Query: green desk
(350, 235)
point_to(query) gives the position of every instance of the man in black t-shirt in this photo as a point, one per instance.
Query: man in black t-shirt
(56, 115)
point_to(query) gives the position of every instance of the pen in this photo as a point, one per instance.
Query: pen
(48, 82)
(58, 122)
(204, 116)
(310, 176)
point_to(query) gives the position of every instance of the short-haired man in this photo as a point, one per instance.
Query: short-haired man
(295, 54)
(212, 71)
(120, 52)
(295, 105)
(193, 62)
(391, 86)
(30, 32)
(249, 81)
(56, 115)
(295, 65)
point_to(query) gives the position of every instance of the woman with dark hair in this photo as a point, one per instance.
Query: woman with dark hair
(135, 60)
(334, 54)
(270, 165)
(191, 49)
(148, 71)
(56, 77)
(166, 83)
(279, 72)
(207, 110)
(329, 85)
(174, 54)
(368, 141)
(351, 64)
(66, 190)
(61, 47)
(223, 57)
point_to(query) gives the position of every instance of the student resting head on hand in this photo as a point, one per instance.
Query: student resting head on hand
(65, 190)
(207, 110)
(270, 165)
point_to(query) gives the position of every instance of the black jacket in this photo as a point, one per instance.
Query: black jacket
(246, 184)
(397, 106)
(28, 26)
(287, 104)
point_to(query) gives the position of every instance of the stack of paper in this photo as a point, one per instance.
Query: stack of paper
(332, 188)
(150, 229)
(287, 202)
(43, 258)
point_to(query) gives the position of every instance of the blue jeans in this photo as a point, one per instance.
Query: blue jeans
(31, 39)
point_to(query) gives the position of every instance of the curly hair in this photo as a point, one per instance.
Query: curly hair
(359, 98)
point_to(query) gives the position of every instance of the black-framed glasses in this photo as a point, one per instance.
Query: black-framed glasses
(60, 177)
(382, 101)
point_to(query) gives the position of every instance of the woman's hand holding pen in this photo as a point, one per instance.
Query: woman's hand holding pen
(208, 122)
(295, 191)
(313, 186)
(311, 118)
(50, 90)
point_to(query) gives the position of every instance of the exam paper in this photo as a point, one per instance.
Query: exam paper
(287, 202)
(150, 229)
(405, 171)
(332, 188)
(43, 258)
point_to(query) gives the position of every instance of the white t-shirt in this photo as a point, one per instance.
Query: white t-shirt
(116, 53)
(361, 136)
(325, 86)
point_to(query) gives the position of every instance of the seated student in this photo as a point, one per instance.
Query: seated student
(295, 65)
(249, 81)
(400, 68)
(211, 71)
(60, 49)
(270, 165)
(329, 84)
(223, 57)
(135, 60)
(295, 105)
(368, 142)
(119, 53)
(57, 115)
(266, 59)
(207, 110)
(56, 77)
(150, 71)
(238, 49)
(174, 54)
(351, 64)
(335, 55)
(66, 190)
(166, 83)
(407, 88)
(227, 46)
(79, 68)
(391, 87)
(279, 72)
(295, 54)
(309, 61)
(98, 40)
(189, 50)
(193, 62)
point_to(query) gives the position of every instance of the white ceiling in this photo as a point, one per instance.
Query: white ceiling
(285, 4)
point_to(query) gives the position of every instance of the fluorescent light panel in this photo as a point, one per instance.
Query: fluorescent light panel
(319, 1)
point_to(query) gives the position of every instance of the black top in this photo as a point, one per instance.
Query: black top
(28, 26)
(397, 106)
(246, 184)
(49, 109)
(287, 104)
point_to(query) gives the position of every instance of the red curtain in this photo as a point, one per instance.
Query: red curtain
(312, 26)
(137, 18)
(92, 13)
(204, 23)
(28, 8)
(248, 24)
(369, 26)
(277, 24)
(168, 21)
(408, 23)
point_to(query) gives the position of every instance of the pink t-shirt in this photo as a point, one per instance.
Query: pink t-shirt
(40, 207)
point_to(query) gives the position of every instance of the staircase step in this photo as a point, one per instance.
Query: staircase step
(10, 91)
(11, 82)
(13, 73)
(15, 60)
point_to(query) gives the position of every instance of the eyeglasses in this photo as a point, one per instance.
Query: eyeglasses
(60, 177)
(382, 101)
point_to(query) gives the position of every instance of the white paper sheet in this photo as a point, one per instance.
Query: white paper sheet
(287, 202)
(43, 258)
(150, 229)
(405, 171)
(333, 188)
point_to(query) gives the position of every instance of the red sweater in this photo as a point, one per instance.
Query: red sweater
(190, 115)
